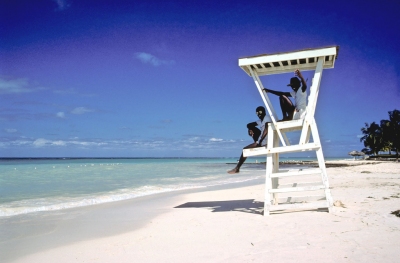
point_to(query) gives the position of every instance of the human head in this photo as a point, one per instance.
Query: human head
(294, 83)
(260, 111)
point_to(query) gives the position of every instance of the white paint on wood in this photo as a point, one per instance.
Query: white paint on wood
(298, 189)
(285, 61)
(311, 59)
(313, 205)
(297, 172)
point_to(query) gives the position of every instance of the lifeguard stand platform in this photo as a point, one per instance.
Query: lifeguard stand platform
(293, 186)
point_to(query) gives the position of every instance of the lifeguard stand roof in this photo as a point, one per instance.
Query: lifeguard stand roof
(268, 64)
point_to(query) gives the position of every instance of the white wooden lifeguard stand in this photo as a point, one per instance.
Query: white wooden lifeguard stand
(301, 195)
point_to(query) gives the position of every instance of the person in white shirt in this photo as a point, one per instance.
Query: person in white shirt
(298, 110)
(258, 134)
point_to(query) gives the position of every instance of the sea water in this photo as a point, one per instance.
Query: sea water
(35, 185)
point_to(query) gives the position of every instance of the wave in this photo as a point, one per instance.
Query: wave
(61, 203)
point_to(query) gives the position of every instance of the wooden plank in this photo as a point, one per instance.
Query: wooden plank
(275, 169)
(290, 124)
(316, 204)
(299, 184)
(295, 148)
(297, 189)
(285, 69)
(268, 172)
(260, 151)
(322, 52)
(301, 199)
(297, 172)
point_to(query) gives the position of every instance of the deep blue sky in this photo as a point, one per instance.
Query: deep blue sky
(85, 78)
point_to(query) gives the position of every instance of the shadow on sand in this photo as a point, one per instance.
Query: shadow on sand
(246, 206)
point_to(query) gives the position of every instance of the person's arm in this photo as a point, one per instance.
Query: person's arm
(278, 93)
(303, 82)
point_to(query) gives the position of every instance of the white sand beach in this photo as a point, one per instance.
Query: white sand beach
(225, 224)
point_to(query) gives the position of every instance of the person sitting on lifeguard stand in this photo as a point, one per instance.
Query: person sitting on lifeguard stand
(257, 134)
(298, 110)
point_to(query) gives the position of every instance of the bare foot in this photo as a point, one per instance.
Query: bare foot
(233, 171)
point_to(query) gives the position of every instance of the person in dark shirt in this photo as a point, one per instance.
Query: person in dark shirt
(258, 135)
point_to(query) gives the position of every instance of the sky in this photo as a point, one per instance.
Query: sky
(118, 78)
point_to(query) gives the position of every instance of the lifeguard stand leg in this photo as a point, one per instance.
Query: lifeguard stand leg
(268, 172)
(321, 163)
(272, 167)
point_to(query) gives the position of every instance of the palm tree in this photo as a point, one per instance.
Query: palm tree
(387, 140)
(394, 130)
(372, 138)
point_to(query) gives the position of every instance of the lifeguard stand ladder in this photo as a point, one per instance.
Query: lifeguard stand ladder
(301, 195)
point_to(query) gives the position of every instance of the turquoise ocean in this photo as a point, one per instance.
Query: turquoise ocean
(36, 185)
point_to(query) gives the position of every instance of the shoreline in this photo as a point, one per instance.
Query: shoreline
(291, 164)
(221, 223)
(51, 224)
(328, 164)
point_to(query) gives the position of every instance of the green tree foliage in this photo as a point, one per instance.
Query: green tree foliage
(386, 133)
(383, 137)
(372, 138)
(394, 130)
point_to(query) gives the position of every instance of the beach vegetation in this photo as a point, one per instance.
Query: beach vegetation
(382, 137)
(372, 138)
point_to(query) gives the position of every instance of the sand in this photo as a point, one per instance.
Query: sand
(225, 224)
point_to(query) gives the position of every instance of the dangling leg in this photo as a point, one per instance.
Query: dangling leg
(255, 134)
(287, 108)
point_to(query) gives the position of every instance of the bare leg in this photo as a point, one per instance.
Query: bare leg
(242, 159)
(255, 133)
(286, 107)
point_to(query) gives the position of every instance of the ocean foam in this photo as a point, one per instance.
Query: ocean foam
(43, 204)
(38, 187)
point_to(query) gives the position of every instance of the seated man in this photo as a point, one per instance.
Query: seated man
(290, 111)
(258, 135)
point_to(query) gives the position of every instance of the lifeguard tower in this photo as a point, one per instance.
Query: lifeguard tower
(292, 189)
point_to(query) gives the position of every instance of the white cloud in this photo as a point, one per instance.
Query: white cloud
(80, 143)
(11, 130)
(40, 142)
(60, 114)
(43, 142)
(193, 139)
(62, 4)
(59, 143)
(193, 143)
(147, 58)
(81, 110)
(14, 86)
